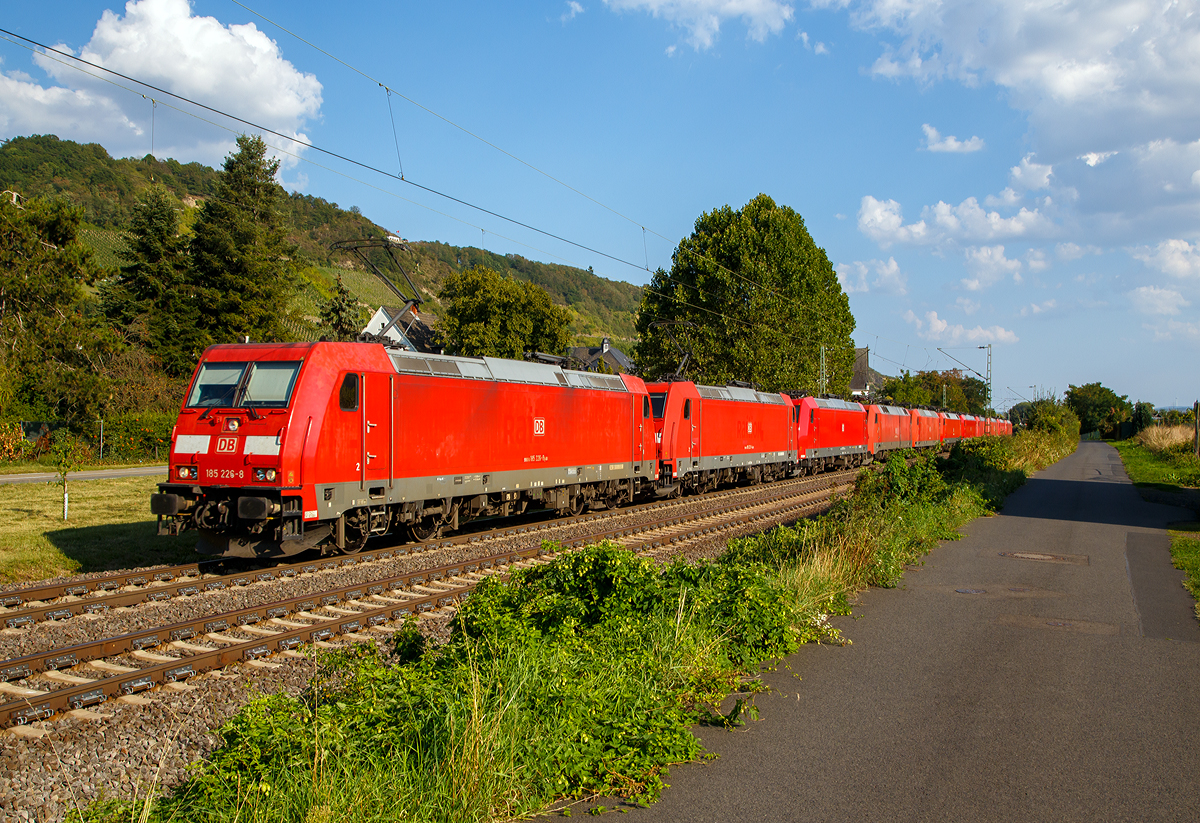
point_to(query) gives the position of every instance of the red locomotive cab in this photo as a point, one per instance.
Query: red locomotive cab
(888, 428)
(676, 410)
(232, 462)
(926, 428)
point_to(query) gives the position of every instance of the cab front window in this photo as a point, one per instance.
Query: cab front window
(266, 384)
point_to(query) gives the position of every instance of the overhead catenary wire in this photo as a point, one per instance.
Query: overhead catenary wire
(328, 152)
(401, 178)
(306, 160)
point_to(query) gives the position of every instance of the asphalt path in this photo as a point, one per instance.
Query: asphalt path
(988, 687)
(91, 474)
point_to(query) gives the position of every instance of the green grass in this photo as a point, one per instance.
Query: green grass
(1169, 470)
(110, 527)
(1185, 554)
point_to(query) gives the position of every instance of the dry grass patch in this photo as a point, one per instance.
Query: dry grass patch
(1164, 438)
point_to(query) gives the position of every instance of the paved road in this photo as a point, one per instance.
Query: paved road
(1066, 690)
(94, 474)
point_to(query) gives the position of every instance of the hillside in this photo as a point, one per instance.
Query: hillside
(107, 188)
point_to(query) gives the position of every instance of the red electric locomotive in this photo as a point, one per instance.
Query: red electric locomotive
(831, 433)
(710, 435)
(926, 428)
(888, 428)
(280, 448)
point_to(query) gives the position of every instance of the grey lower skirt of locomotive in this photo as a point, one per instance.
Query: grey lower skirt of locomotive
(232, 523)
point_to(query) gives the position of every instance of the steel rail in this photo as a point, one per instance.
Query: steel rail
(40, 705)
(98, 594)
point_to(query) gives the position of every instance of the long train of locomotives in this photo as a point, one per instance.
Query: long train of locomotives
(280, 448)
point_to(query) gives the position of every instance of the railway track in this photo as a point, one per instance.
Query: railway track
(84, 675)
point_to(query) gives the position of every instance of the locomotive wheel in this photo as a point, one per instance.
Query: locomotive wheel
(578, 504)
(358, 529)
(425, 530)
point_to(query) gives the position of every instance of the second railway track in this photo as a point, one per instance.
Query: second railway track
(86, 674)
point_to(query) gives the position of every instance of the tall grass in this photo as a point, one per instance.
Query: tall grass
(1165, 438)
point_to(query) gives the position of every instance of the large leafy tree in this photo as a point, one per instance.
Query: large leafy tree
(242, 263)
(53, 345)
(1097, 406)
(153, 298)
(485, 313)
(762, 299)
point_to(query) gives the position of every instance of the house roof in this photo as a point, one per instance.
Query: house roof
(616, 359)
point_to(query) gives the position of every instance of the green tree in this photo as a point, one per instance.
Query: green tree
(343, 314)
(1098, 407)
(153, 297)
(763, 298)
(243, 266)
(53, 346)
(485, 313)
(1143, 416)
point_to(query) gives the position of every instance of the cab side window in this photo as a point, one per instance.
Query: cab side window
(348, 395)
(646, 408)
(687, 409)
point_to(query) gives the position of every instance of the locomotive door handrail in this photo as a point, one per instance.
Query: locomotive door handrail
(362, 410)
(391, 430)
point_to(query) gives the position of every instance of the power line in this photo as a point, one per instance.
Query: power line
(402, 179)
(443, 118)
(314, 147)
(302, 159)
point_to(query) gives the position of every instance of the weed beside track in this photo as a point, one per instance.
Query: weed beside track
(582, 677)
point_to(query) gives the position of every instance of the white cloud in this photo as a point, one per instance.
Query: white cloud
(237, 68)
(1029, 175)
(1177, 258)
(1155, 300)
(1095, 158)
(820, 48)
(988, 265)
(937, 330)
(1005, 199)
(1073, 251)
(935, 142)
(1172, 329)
(883, 222)
(1122, 76)
(1036, 260)
(702, 19)
(967, 305)
(574, 9)
(887, 276)
(1038, 308)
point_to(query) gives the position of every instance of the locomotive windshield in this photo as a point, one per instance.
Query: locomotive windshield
(267, 384)
(658, 404)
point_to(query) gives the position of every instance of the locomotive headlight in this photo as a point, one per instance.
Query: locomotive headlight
(267, 475)
(231, 424)
(186, 472)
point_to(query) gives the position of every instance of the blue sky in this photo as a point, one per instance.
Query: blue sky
(979, 171)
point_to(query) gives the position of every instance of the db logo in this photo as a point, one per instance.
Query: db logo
(539, 426)
(226, 445)
(749, 428)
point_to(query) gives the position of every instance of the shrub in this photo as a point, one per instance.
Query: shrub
(135, 436)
